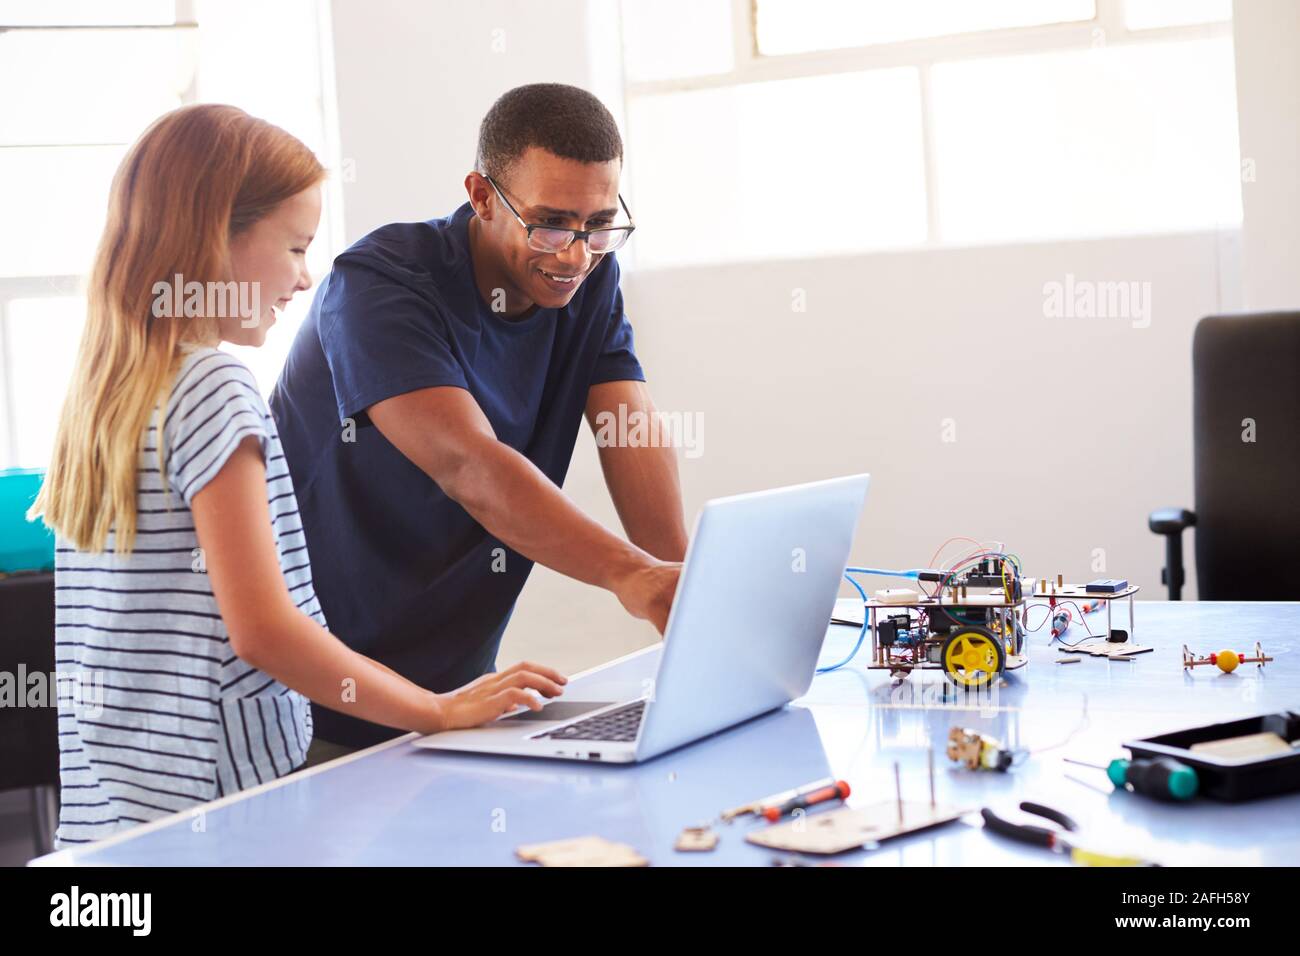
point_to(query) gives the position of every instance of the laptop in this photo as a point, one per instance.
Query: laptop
(753, 602)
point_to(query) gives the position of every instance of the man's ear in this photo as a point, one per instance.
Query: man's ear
(480, 195)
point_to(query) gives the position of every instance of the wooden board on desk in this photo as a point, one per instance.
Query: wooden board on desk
(849, 828)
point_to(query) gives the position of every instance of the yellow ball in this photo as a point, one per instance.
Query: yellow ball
(1227, 661)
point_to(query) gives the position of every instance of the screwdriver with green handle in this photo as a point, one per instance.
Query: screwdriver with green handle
(1160, 777)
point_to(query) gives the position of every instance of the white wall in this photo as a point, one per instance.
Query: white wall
(415, 78)
(1068, 431)
(1267, 37)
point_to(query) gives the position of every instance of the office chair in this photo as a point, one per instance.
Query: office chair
(1246, 450)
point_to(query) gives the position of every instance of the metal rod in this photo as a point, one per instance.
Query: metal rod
(875, 637)
(1084, 763)
(898, 792)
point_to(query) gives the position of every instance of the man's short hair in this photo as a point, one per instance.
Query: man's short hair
(564, 120)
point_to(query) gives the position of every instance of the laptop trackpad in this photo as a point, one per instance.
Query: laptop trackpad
(557, 710)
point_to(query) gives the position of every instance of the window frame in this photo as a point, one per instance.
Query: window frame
(751, 66)
(60, 286)
(330, 233)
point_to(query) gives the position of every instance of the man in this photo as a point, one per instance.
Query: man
(431, 401)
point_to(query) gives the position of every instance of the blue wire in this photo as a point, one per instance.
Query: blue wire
(866, 618)
(915, 572)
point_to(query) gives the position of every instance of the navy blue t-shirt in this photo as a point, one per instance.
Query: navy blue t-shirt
(403, 573)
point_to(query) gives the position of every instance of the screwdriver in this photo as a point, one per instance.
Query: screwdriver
(836, 791)
(1162, 777)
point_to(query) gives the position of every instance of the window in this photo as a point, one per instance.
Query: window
(1125, 138)
(92, 77)
(38, 374)
(791, 128)
(755, 171)
(664, 50)
(800, 26)
(1153, 14)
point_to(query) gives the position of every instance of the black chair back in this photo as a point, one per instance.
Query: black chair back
(1246, 421)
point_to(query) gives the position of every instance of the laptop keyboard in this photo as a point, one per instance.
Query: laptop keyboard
(619, 724)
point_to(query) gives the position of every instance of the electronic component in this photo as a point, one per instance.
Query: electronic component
(897, 596)
(1106, 586)
(977, 751)
(893, 629)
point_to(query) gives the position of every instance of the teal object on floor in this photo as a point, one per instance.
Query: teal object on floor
(24, 545)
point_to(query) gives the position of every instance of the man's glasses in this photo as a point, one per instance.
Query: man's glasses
(551, 239)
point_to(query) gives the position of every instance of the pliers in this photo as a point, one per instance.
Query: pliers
(1054, 839)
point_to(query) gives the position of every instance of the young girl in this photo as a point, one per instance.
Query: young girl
(182, 576)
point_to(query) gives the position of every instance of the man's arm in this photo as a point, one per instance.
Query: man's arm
(444, 432)
(642, 479)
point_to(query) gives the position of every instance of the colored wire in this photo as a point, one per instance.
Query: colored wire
(1084, 720)
(915, 572)
(866, 622)
(971, 562)
(1051, 613)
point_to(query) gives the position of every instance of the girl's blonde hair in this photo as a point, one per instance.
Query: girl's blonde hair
(196, 178)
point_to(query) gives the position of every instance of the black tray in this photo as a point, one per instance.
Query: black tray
(1228, 779)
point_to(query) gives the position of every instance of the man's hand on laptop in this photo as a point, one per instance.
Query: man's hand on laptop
(487, 698)
(647, 592)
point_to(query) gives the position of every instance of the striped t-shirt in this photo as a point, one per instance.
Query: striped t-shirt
(156, 713)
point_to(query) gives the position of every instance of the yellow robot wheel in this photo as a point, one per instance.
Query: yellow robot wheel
(972, 656)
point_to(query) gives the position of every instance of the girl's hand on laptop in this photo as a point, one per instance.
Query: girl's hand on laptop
(487, 698)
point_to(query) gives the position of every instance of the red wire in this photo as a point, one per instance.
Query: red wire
(1082, 618)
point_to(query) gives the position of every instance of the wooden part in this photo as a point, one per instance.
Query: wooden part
(1107, 649)
(581, 851)
(964, 746)
(849, 828)
(1246, 747)
(975, 597)
(696, 840)
(1226, 660)
(900, 670)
